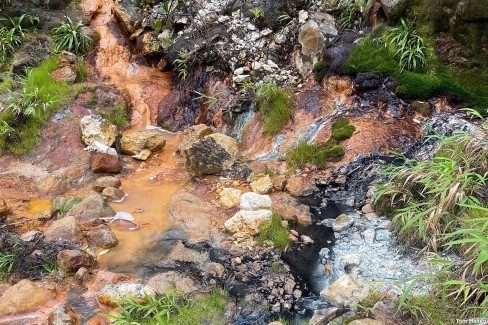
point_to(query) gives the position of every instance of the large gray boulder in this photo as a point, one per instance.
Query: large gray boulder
(91, 208)
(211, 155)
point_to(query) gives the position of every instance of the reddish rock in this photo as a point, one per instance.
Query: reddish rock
(67, 73)
(367, 208)
(279, 183)
(105, 163)
(287, 206)
(300, 186)
(70, 260)
(98, 320)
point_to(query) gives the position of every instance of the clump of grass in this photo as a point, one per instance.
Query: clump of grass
(82, 71)
(406, 45)
(173, 308)
(29, 109)
(275, 232)
(305, 153)
(439, 204)
(275, 105)
(117, 116)
(8, 263)
(319, 155)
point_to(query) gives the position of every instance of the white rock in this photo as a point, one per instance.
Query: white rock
(342, 222)
(249, 222)
(345, 291)
(254, 201)
(240, 78)
(96, 128)
(302, 16)
(238, 71)
(369, 235)
(272, 64)
(257, 65)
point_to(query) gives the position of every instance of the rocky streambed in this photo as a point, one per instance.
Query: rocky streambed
(97, 214)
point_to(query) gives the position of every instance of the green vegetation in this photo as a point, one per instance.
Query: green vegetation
(305, 153)
(118, 116)
(349, 11)
(436, 78)
(342, 130)
(275, 232)
(82, 71)
(12, 35)
(26, 259)
(319, 71)
(275, 105)
(257, 13)
(406, 45)
(8, 262)
(319, 155)
(29, 109)
(166, 11)
(68, 37)
(439, 204)
(173, 308)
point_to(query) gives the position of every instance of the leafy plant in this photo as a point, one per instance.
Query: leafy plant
(180, 64)
(283, 17)
(349, 11)
(275, 105)
(408, 47)
(26, 111)
(12, 34)
(431, 194)
(257, 13)
(166, 11)
(68, 37)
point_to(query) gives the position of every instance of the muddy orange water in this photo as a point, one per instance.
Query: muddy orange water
(150, 188)
(146, 86)
(151, 184)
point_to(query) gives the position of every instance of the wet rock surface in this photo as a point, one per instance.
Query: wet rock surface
(24, 296)
(211, 155)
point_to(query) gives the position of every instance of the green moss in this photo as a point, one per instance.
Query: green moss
(319, 71)
(342, 130)
(275, 105)
(305, 153)
(275, 232)
(334, 154)
(468, 85)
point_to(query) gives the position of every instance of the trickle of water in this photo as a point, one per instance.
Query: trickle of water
(146, 86)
